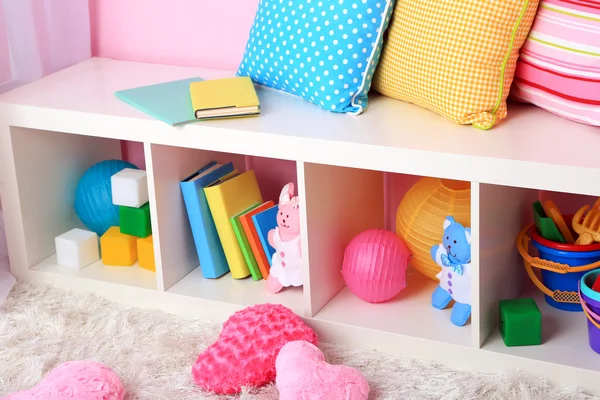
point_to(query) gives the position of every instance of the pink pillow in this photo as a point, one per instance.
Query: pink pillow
(559, 64)
(244, 354)
(303, 373)
(77, 380)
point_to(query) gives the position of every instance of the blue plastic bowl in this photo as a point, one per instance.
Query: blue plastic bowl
(565, 282)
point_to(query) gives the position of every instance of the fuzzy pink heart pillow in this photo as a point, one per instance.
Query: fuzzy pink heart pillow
(303, 373)
(78, 380)
(245, 353)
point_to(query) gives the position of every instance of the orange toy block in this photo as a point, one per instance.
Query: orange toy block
(117, 248)
(145, 249)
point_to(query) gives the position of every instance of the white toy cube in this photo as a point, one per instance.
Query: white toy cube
(77, 248)
(129, 188)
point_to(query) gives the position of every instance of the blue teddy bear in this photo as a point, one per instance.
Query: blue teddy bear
(454, 256)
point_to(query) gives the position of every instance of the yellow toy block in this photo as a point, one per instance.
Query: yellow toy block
(117, 248)
(145, 249)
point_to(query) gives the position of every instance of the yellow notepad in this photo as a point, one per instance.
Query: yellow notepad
(226, 198)
(222, 98)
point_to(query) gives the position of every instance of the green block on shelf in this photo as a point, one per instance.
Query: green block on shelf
(520, 322)
(135, 221)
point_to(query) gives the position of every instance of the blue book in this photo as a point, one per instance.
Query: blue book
(169, 102)
(264, 222)
(208, 245)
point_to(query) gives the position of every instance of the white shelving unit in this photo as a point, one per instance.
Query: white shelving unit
(351, 174)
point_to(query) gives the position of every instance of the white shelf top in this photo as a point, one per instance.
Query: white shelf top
(531, 148)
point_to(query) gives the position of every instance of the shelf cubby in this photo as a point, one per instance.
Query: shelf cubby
(48, 167)
(179, 272)
(504, 212)
(351, 201)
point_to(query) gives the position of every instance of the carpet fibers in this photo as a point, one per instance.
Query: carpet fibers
(153, 352)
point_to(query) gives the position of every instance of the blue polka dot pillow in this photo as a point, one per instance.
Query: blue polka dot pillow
(324, 51)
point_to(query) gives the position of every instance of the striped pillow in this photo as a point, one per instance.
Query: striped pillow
(559, 66)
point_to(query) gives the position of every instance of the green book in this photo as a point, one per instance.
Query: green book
(244, 245)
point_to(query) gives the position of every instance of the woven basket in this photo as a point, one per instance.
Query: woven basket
(421, 214)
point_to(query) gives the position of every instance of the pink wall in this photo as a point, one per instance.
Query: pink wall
(396, 186)
(206, 33)
(202, 33)
(272, 175)
(567, 203)
(5, 72)
(134, 153)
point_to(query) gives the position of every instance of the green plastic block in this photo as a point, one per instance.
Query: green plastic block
(135, 221)
(520, 322)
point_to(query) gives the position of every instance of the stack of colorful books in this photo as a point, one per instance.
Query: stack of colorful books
(229, 221)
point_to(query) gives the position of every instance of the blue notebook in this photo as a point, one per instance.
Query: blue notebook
(208, 245)
(264, 222)
(169, 101)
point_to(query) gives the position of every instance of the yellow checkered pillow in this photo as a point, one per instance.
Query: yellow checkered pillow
(455, 57)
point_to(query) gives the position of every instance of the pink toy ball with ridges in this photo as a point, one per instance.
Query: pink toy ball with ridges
(375, 264)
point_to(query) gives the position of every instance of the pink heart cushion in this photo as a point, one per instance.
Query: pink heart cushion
(244, 354)
(303, 373)
(80, 380)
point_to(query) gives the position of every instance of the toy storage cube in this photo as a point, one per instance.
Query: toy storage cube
(135, 221)
(77, 248)
(145, 249)
(118, 249)
(520, 322)
(129, 188)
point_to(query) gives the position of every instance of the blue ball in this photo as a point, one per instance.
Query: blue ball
(93, 197)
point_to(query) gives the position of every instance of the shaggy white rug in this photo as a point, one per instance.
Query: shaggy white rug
(153, 352)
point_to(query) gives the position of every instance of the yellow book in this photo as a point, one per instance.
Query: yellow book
(226, 198)
(222, 98)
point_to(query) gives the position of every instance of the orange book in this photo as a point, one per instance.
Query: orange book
(254, 240)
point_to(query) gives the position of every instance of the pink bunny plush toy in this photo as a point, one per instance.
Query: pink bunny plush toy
(286, 265)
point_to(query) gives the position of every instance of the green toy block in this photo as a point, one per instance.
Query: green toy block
(135, 221)
(520, 322)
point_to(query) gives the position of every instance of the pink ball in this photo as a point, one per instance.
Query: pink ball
(375, 265)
